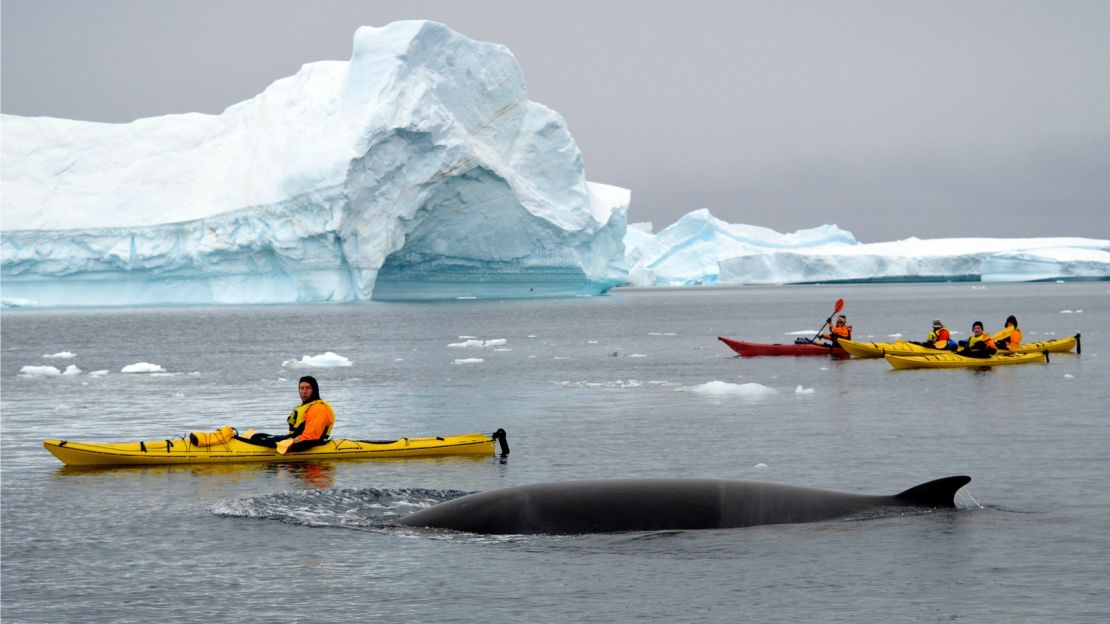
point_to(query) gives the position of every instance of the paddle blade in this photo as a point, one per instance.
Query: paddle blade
(839, 306)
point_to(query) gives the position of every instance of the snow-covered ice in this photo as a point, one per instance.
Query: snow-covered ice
(61, 355)
(39, 371)
(418, 169)
(324, 360)
(702, 249)
(724, 388)
(142, 367)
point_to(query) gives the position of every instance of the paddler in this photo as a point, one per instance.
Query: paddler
(939, 338)
(1009, 337)
(310, 422)
(841, 330)
(979, 344)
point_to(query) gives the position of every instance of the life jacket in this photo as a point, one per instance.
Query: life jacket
(940, 338)
(296, 419)
(1007, 338)
(982, 342)
(842, 332)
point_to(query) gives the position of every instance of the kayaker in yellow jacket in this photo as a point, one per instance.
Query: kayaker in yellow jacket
(939, 338)
(310, 423)
(979, 344)
(1009, 337)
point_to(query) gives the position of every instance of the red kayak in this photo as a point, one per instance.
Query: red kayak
(752, 349)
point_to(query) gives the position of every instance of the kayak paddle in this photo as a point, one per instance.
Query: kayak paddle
(839, 306)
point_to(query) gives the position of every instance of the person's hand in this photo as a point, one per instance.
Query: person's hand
(283, 445)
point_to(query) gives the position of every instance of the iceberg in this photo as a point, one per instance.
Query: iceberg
(700, 249)
(942, 259)
(687, 253)
(418, 169)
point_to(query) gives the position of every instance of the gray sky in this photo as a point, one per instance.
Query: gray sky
(890, 119)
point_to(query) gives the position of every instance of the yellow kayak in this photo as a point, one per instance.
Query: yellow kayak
(182, 450)
(901, 347)
(948, 359)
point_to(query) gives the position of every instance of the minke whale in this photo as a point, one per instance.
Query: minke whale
(614, 505)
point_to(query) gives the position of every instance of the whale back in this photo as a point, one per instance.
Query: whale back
(613, 505)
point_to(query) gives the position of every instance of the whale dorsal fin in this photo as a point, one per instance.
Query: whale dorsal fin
(939, 493)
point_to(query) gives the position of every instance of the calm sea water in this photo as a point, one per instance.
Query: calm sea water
(587, 388)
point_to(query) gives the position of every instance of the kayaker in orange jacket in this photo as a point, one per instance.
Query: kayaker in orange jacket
(841, 330)
(1010, 337)
(310, 422)
(979, 344)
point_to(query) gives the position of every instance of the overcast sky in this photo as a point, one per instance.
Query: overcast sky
(890, 119)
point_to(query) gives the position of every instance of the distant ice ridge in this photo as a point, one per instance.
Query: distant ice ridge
(701, 249)
(419, 169)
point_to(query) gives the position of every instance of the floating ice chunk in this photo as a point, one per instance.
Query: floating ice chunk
(591, 342)
(896, 335)
(16, 302)
(142, 367)
(39, 371)
(72, 370)
(760, 466)
(61, 355)
(324, 360)
(1069, 376)
(637, 355)
(98, 373)
(801, 390)
(469, 361)
(745, 390)
(478, 343)
(804, 332)
(1067, 312)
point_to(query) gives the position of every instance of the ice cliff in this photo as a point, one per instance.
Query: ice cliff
(419, 169)
(701, 249)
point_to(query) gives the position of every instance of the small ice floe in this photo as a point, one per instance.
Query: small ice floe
(16, 302)
(804, 332)
(476, 342)
(619, 384)
(560, 357)
(503, 349)
(398, 359)
(98, 373)
(801, 390)
(61, 355)
(760, 466)
(662, 334)
(465, 297)
(39, 371)
(591, 342)
(824, 368)
(468, 337)
(532, 336)
(637, 355)
(72, 370)
(1067, 312)
(469, 361)
(324, 360)
(142, 367)
(723, 388)
(896, 335)
(1069, 376)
